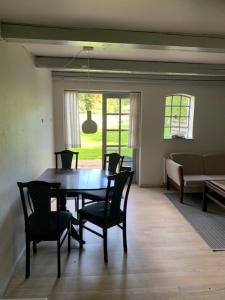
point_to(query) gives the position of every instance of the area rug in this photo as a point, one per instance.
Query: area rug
(210, 225)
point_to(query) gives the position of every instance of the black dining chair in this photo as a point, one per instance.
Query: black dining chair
(42, 224)
(112, 162)
(108, 213)
(66, 157)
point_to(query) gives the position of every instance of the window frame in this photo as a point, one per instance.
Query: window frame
(109, 148)
(189, 117)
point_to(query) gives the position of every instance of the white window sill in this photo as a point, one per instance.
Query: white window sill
(178, 139)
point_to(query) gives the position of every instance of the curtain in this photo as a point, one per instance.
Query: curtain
(71, 120)
(134, 121)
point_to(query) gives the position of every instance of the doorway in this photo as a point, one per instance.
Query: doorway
(111, 113)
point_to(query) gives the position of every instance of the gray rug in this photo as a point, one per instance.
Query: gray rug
(210, 225)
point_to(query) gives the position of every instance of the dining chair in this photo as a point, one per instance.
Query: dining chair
(66, 163)
(108, 213)
(112, 162)
(42, 224)
(66, 158)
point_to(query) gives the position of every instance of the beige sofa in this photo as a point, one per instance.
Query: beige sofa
(192, 170)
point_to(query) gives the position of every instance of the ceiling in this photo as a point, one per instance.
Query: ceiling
(145, 37)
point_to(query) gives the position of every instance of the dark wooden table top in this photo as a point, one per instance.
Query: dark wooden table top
(77, 179)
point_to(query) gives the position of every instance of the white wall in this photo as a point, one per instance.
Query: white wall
(26, 143)
(209, 119)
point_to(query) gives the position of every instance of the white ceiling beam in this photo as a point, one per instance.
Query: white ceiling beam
(134, 77)
(130, 66)
(114, 38)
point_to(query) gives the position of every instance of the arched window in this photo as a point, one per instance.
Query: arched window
(179, 116)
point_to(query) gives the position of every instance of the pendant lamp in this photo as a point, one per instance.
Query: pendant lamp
(88, 126)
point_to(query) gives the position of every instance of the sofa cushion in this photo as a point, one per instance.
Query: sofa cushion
(192, 163)
(194, 180)
(199, 180)
(215, 177)
(214, 164)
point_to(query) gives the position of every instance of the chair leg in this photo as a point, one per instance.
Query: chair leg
(76, 203)
(27, 257)
(125, 235)
(69, 238)
(34, 247)
(58, 258)
(105, 245)
(181, 195)
(83, 201)
(167, 183)
(81, 231)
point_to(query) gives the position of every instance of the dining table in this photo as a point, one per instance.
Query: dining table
(77, 180)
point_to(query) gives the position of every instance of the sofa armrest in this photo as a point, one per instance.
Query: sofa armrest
(175, 172)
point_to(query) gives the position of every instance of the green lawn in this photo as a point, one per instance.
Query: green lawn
(91, 145)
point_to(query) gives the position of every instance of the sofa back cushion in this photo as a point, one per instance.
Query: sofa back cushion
(214, 164)
(192, 163)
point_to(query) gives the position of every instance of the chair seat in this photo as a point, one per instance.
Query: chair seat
(96, 195)
(94, 213)
(44, 227)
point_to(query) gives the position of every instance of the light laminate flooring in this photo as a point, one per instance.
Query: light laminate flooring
(166, 259)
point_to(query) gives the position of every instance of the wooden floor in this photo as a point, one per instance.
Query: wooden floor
(166, 259)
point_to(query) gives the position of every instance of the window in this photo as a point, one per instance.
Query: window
(179, 116)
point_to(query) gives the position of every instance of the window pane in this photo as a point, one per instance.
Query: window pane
(124, 137)
(112, 137)
(112, 122)
(184, 132)
(184, 111)
(176, 111)
(175, 121)
(127, 152)
(174, 131)
(183, 122)
(185, 101)
(112, 105)
(125, 105)
(124, 122)
(167, 132)
(112, 149)
(168, 100)
(167, 122)
(168, 111)
(176, 100)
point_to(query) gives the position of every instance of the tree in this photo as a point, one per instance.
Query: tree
(90, 101)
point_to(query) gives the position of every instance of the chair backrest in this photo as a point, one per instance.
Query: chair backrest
(66, 158)
(120, 180)
(113, 160)
(36, 197)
